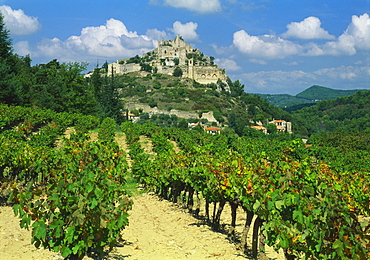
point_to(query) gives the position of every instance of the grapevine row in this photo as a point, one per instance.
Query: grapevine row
(303, 204)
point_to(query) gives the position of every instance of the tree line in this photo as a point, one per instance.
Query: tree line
(55, 85)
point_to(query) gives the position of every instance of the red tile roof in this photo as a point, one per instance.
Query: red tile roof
(212, 128)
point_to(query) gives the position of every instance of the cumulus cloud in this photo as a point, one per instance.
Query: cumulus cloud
(355, 38)
(22, 48)
(309, 28)
(343, 72)
(201, 6)
(293, 82)
(187, 30)
(266, 46)
(227, 64)
(112, 40)
(18, 23)
(156, 34)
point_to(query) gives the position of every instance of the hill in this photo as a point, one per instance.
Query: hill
(316, 93)
(307, 97)
(284, 100)
(348, 114)
(146, 93)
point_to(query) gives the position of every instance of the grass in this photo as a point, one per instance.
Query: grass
(132, 186)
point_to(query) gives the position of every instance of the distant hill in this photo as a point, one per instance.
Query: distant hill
(307, 97)
(284, 100)
(350, 114)
(317, 93)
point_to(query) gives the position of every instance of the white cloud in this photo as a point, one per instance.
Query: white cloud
(227, 64)
(112, 40)
(266, 46)
(156, 34)
(309, 28)
(343, 72)
(22, 48)
(293, 82)
(355, 38)
(258, 61)
(187, 31)
(201, 6)
(18, 23)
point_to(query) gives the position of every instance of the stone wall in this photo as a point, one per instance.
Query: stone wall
(166, 52)
(181, 114)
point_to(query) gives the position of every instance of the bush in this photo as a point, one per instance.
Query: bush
(107, 130)
(177, 72)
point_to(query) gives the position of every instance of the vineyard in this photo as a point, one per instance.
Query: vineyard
(311, 202)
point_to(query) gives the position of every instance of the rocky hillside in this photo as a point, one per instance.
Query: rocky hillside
(144, 92)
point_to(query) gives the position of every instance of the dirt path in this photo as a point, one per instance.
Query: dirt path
(161, 230)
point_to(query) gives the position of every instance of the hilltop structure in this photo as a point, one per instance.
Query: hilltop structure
(170, 56)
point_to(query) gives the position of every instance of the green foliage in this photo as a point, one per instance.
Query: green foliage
(72, 197)
(218, 116)
(177, 72)
(322, 93)
(107, 130)
(80, 205)
(106, 93)
(183, 124)
(346, 114)
(6, 48)
(271, 128)
(236, 88)
(307, 97)
(135, 59)
(308, 203)
(146, 67)
(152, 103)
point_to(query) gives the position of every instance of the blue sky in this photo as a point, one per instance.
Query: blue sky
(273, 47)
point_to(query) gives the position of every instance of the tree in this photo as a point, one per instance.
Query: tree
(106, 93)
(177, 72)
(236, 123)
(105, 66)
(146, 67)
(183, 124)
(218, 116)
(271, 128)
(7, 60)
(236, 88)
(62, 88)
(6, 49)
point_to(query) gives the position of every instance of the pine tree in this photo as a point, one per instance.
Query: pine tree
(7, 85)
(6, 49)
(107, 95)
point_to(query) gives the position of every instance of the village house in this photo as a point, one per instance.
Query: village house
(260, 128)
(212, 130)
(131, 117)
(282, 125)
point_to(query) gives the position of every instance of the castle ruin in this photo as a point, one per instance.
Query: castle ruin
(170, 55)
